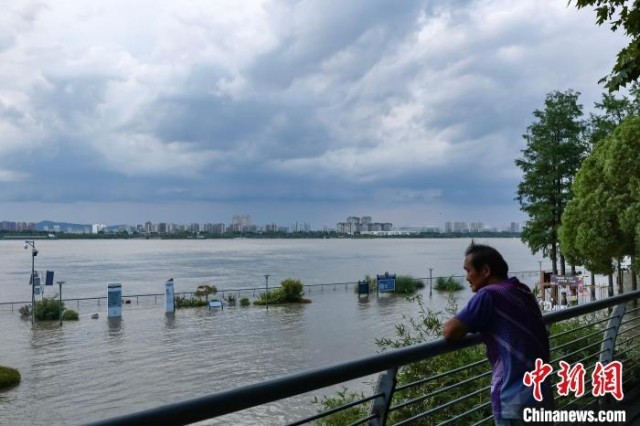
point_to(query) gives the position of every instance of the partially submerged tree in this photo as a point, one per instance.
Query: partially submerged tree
(555, 149)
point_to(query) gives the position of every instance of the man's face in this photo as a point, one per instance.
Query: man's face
(477, 278)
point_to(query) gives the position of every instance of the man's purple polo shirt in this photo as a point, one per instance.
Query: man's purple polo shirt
(510, 322)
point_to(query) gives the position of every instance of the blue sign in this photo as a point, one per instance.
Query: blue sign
(386, 282)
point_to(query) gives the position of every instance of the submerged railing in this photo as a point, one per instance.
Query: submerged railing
(310, 289)
(598, 332)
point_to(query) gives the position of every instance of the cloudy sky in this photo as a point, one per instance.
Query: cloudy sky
(310, 110)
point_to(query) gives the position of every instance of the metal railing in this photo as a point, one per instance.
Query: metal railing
(453, 379)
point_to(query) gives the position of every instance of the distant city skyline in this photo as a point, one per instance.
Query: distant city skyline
(244, 223)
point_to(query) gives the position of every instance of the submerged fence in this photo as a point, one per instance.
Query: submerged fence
(237, 292)
(433, 383)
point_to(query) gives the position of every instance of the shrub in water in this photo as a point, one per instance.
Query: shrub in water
(205, 290)
(183, 302)
(406, 284)
(25, 311)
(244, 301)
(290, 291)
(448, 284)
(9, 377)
(48, 309)
(70, 315)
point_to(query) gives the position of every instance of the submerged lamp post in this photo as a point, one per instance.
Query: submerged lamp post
(60, 302)
(267, 285)
(430, 282)
(34, 253)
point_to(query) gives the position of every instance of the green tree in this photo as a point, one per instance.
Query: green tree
(610, 113)
(602, 223)
(555, 149)
(623, 14)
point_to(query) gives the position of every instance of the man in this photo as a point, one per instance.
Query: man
(507, 316)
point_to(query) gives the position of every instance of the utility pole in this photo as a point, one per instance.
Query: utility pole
(430, 282)
(267, 285)
(34, 253)
(60, 302)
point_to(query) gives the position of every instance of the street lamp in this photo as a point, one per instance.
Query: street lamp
(267, 278)
(60, 303)
(34, 253)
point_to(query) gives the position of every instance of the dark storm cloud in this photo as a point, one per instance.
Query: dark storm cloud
(327, 102)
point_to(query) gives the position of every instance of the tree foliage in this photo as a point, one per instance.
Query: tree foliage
(602, 222)
(555, 149)
(623, 14)
(611, 110)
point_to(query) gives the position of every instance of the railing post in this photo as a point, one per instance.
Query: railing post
(609, 341)
(386, 385)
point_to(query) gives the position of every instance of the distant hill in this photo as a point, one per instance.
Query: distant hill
(47, 225)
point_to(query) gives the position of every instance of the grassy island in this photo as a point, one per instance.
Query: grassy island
(9, 377)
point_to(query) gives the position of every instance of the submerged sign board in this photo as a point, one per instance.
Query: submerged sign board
(169, 302)
(386, 282)
(114, 300)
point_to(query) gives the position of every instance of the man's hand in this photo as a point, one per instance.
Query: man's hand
(453, 330)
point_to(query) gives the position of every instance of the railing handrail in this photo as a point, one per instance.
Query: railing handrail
(225, 402)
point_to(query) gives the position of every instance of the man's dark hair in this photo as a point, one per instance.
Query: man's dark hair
(486, 255)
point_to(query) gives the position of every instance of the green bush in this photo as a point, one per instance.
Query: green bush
(245, 301)
(9, 377)
(194, 302)
(290, 291)
(448, 284)
(406, 284)
(70, 315)
(48, 309)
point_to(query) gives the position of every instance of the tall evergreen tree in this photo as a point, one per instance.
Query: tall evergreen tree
(555, 149)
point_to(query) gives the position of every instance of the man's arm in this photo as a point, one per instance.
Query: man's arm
(454, 329)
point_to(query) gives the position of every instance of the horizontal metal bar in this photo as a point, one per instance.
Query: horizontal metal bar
(486, 419)
(578, 351)
(336, 410)
(440, 375)
(442, 406)
(362, 421)
(439, 391)
(465, 414)
(575, 311)
(595, 333)
(573, 330)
